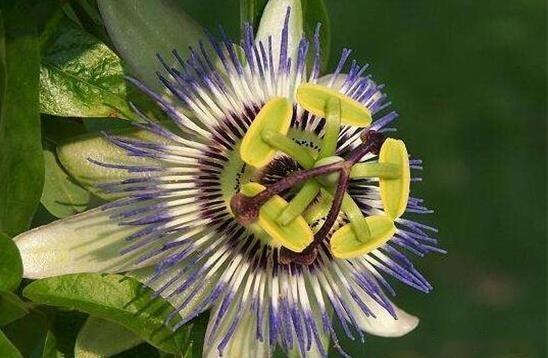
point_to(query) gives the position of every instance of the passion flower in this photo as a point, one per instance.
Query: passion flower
(275, 200)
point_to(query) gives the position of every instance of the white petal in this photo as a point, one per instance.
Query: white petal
(324, 338)
(314, 351)
(384, 325)
(272, 23)
(243, 342)
(87, 242)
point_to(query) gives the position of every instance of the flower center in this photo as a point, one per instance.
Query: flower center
(236, 174)
(271, 165)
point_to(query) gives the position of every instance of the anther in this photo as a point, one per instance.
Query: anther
(250, 209)
(275, 116)
(346, 244)
(315, 98)
(393, 172)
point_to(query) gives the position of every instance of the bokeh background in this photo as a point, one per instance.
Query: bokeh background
(468, 78)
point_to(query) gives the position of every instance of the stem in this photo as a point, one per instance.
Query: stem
(376, 170)
(289, 147)
(332, 127)
(334, 211)
(355, 216)
(300, 202)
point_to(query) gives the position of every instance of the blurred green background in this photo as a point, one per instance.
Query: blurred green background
(469, 81)
(468, 78)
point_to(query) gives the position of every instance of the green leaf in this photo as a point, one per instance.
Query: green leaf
(65, 325)
(50, 347)
(88, 15)
(196, 336)
(56, 131)
(61, 195)
(81, 77)
(314, 12)
(29, 333)
(48, 13)
(96, 125)
(101, 338)
(116, 298)
(7, 349)
(142, 29)
(21, 162)
(11, 269)
(11, 308)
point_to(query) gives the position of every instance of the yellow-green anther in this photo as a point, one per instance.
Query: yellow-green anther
(314, 98)
(375, 170)
(395, 192)
(289, 147)
(356, 218)
(300, 202)
(295, 236)
(332, 127)
(345, 244)
(276, 116)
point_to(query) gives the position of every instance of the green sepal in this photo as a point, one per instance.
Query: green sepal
(75, 154)
(142, 29)
(61, 196)
(272, 23)
(102, 338)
